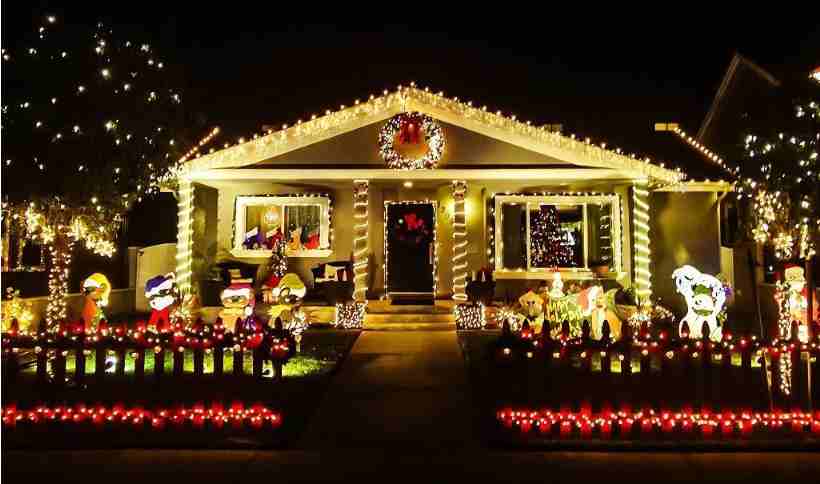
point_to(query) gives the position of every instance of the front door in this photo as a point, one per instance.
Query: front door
(410, 248)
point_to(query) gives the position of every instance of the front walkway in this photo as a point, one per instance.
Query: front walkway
(397, 389)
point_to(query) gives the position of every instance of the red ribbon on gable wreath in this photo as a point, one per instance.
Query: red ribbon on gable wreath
(410, 131)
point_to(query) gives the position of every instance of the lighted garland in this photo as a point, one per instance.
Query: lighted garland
(433, 136)
(622, 424)
(350, 315)
(256, 416)
(469, 316)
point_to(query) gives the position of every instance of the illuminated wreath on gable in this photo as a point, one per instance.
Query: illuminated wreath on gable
(410, 127)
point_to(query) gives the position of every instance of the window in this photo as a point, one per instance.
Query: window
(300, 222)
(542, 233)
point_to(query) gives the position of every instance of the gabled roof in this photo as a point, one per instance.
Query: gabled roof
(453, 111)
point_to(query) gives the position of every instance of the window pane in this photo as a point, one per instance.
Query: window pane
(262, 223)
(557, 236)
(513, 236)
(599, 218)
(304, 226)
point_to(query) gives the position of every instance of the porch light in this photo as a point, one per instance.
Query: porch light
(408, 184)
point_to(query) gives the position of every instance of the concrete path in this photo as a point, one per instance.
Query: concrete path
(397, 389)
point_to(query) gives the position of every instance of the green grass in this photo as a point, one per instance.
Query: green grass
(301, 365)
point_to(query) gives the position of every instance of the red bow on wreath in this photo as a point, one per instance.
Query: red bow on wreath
(410, 131)
(412, 222)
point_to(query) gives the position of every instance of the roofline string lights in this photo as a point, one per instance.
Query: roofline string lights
(709, 154)
(460, 242)
(394, 103)
(361, 201)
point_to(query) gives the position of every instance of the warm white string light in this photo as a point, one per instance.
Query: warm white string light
(460, 242)
(640, 233)
(360, 238)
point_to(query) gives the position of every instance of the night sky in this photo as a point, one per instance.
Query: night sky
(609, 79)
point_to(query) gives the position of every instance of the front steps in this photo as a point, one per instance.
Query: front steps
(383, 316)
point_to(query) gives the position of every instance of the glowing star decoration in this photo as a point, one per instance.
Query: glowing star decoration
(705, 297)
(162, 294)
(411, 128)
(97, 289)
(238, 302)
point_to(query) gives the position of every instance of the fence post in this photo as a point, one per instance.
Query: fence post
(58, 365)
(238, 361)
(179, 360)
(79, 362)
(219, 354)
(159, 363)
(139, 364)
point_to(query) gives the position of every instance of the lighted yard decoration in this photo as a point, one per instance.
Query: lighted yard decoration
(238, 302)
(792, 297)
(594, 306)
(407, 128)
(162, 294)
(92, 123)
(97, 289)
(705, 296)
(15, 308)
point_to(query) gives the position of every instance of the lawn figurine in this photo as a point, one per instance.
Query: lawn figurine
(238, 301)
(705, 296)
(96, 289)
(163, 295)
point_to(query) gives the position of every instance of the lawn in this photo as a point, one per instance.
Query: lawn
(296, 396)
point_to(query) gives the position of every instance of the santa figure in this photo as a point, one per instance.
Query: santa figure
(162, 295)
(797, 301)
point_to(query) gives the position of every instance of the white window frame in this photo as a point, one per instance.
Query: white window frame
(616, 270)
(245, 201)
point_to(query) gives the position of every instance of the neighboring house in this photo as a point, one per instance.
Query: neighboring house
(748, 97)
(325, 187)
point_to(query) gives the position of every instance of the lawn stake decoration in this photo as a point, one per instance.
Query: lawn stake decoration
(705, 296)
(238, 302)
(793, 297)
(97, 290)
(593, 302)
(411, 128)
(162, 294)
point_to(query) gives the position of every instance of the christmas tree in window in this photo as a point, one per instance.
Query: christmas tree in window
(548, 247)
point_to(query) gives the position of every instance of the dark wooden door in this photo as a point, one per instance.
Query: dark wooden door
(410, 248)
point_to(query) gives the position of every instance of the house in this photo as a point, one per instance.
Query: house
(474, 190)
